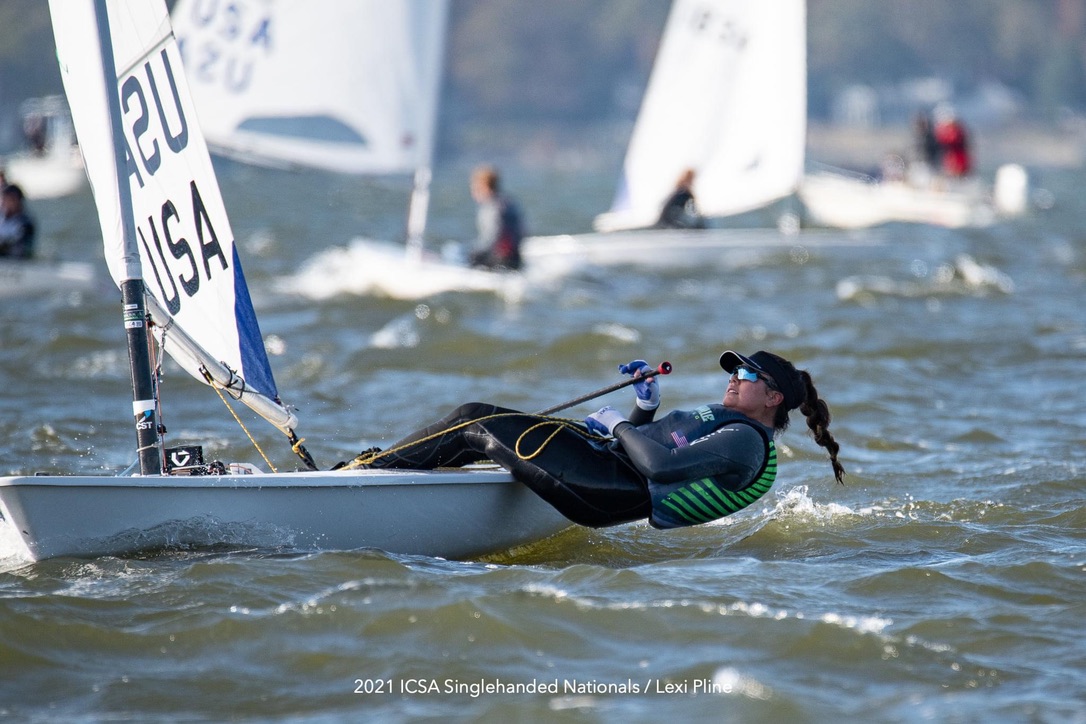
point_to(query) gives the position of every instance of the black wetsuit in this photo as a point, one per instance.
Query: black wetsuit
(17, 236)
(680, 212)
(501, 231)
(689, 467)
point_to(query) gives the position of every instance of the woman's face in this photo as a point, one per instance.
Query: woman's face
(478, 189)
(751, 397)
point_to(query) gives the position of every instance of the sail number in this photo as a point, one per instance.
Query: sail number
(155, 131)
(227, 40)
(713, 25)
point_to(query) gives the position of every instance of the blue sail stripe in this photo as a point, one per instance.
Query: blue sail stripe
(254, 358)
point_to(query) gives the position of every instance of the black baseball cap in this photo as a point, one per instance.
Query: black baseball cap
(784, 374)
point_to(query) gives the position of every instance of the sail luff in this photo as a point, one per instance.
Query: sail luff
(144, 407)
(130, 255)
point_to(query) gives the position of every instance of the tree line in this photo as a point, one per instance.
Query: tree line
(580, 62)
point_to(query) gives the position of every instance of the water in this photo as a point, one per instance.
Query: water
(943, 582)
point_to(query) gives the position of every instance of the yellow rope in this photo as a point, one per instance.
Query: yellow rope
(241, 424)
(558, 422)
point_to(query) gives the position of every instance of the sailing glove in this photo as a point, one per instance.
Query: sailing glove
(648, 391)
(604, 421)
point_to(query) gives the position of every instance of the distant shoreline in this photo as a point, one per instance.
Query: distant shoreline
(602, 146)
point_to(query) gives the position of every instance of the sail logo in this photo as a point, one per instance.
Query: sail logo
(704, 413)
(145, 421)
(174, 223)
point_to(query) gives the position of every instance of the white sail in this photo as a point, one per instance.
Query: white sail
(727, 97)
(166, 201)
(343, 86)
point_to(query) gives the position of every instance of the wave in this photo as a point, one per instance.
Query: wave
(379, 268)
(965, 276)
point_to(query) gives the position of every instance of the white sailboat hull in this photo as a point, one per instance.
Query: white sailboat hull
(847, 202)
(56, 168)
(52, 175)
(448, 514)
(663, 248)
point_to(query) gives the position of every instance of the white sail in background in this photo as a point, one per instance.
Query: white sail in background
(342, 86)
(176, 217)
(727, 97)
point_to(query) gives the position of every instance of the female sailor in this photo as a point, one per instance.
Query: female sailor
(686, 468)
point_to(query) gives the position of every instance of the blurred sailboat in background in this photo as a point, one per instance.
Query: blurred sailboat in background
(51, 167)
(727, 98)
(345, 87)
(42, 277)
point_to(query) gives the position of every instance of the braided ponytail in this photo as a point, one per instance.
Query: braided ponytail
(817, 413)
(798, 391)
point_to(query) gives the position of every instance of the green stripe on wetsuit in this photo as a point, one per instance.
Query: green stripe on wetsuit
(702, 500)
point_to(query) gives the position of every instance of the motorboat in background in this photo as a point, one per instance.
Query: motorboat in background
(848, 200)
(51, 166)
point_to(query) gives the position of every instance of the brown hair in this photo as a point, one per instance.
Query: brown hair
(817, 412)
(487, 176)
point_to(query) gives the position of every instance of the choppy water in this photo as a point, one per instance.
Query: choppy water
(944, 582)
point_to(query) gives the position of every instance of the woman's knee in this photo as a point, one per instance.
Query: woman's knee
(475, 411)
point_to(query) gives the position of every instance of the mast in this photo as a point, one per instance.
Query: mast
(148, 443)
(417, 210)
(419, 205)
